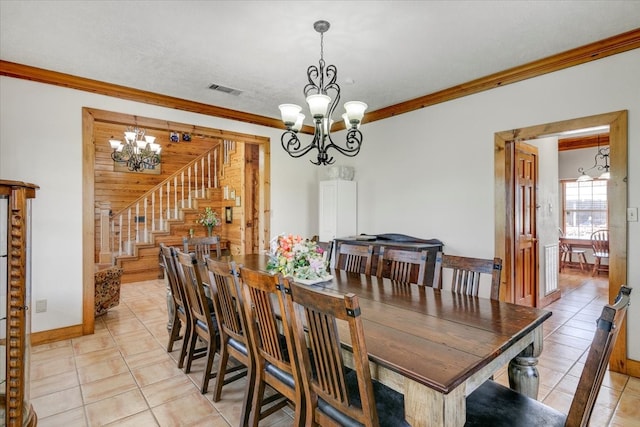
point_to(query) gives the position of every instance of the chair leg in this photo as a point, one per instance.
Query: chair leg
(222, 370)
(174, 334)
(596, 266)
(191, 351)
(256, 401)
(207, 375)
(583, 259)
(186, 340)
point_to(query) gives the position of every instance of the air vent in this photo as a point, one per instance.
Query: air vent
(229, 90)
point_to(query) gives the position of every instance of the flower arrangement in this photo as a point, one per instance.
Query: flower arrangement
(208, 218)
(294, 256)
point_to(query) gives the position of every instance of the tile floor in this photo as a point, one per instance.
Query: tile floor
(122, 375)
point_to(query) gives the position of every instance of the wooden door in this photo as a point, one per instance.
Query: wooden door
(526, 245)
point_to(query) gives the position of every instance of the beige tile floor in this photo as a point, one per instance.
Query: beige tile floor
(122, 375)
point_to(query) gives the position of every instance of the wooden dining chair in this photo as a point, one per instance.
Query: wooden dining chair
(270, 339)
(205, 325)
(354, 258)
(567, 253)
(398, 264)
(334, 394)
(467, 272)
(202, 246)
(181, 310)
(232, 327)
(600, 245)
(495, 405)
(327, 247)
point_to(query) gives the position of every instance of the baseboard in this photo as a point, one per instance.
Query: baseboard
(549, 298)
(633, 368)
(54, 335)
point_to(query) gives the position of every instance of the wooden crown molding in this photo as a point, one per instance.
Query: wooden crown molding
(565, 144)
(590, 52)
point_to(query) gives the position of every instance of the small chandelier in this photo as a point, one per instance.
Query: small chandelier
(601, 155)
(137, 153)
(322, 107)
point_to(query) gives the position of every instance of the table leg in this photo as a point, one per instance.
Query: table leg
(523, 373)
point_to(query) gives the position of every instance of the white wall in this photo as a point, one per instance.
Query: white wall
(427, 173)
(430, 173)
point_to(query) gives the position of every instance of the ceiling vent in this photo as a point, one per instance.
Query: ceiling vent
(224, 89)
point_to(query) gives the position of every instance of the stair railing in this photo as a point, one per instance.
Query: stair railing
(152, 211)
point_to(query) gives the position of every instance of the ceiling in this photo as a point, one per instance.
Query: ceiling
(386, 52)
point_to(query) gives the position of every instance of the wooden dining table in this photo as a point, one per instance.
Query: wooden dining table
(436, 346)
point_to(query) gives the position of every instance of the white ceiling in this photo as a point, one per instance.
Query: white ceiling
(392, 51)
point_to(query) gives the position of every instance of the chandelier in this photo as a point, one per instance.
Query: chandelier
(322, 106)
(138, 152)
(601, 155)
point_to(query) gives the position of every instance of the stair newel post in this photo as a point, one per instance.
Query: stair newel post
(189, 187)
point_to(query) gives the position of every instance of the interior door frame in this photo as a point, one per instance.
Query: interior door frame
(617, 206)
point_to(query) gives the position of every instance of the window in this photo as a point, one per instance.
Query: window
(584, 208)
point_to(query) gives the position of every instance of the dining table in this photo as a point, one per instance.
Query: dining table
(435, 346)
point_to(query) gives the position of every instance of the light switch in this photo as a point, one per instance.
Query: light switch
(632, 214)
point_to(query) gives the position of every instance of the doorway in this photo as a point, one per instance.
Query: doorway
(617, 205)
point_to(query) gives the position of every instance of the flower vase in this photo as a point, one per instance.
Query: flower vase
(209, 230)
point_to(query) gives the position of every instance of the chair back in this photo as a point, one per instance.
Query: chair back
(202, 246)
(264, 309)
(169, 263)
(189, 272)
(314, 318)
(228, 301)
(397, 264)
(600, 243)
(466, 273)
(327, 247)
(608, 327)
(354, 258)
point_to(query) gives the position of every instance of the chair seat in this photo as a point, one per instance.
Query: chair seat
(495, 405)
(601, 254)
(389, 404)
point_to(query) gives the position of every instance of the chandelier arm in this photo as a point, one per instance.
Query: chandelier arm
(353, 143)
(293, 146)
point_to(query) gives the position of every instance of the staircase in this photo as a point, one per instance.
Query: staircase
(165, 214)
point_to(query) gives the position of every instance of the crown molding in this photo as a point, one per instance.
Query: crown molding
(587, 53)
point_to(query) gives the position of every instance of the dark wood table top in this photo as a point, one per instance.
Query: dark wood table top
(436, 338)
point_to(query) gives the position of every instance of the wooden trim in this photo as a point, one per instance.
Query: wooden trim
(617, 190)
(92, 115)
(549, 298)
(580, 55)
(88, 222)
(633, 368)
(587, 53)
(53, 335)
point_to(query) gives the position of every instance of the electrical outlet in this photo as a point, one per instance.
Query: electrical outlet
(41, 305)
(632, 214)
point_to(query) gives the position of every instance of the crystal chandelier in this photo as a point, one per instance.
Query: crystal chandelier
(601, 155)
(138, 152)
(322, 106)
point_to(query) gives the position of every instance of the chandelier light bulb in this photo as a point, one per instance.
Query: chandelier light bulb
(289, 113)
(355, 111)
(298, 124)
(318, 105)
(114, 143)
